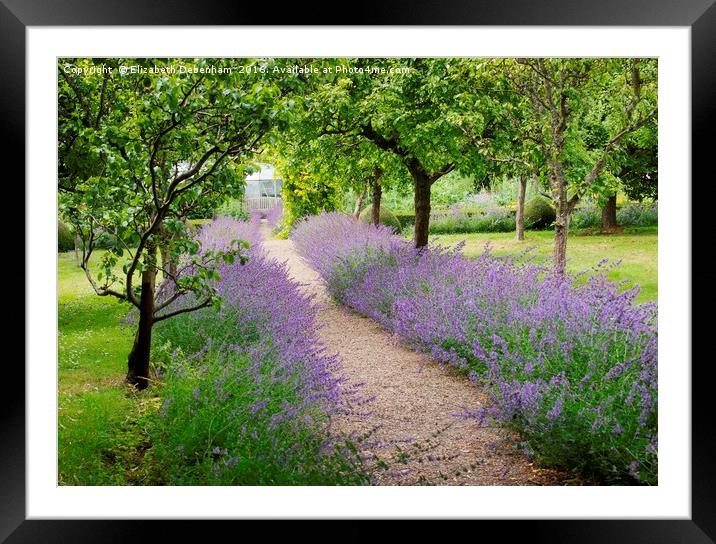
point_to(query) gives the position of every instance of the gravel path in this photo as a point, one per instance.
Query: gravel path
(413, 431)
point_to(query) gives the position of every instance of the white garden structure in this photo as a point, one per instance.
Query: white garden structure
(263, 189)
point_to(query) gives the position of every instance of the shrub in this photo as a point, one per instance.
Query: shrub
(452, 188)
(386, 218)
(201, 211)
(539, 214)
(219, 233)
(305, 195)
(570, 365)
(65, 238)
(405, 218)
(497, 220)
(634, 214)
(219, 425)
(233, 208)
(255, 217)
(481, 200)
(586, 217)
(461, 222)
(249, 391)
(274, 216)
(281, 231)
(351, 237)
(195, 225)
(639, 215)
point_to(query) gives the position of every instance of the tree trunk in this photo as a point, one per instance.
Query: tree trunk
(169, 266)
(422, 208)
(563, 209)
(359, 203)
(78, 260)
(520, 218)
(138, 362)
(377, 194)
(561, 229)
(609, 215)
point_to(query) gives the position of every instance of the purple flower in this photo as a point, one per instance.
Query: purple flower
(274, 215)
(231, 462)
(556, 410)
(538, 341)
(261, 354)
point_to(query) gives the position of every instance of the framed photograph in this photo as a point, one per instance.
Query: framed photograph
(47, 51)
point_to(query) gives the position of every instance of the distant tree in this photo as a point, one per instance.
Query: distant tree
(639, 171)
(631, 168)
(319, 169)
(636, 170)
(562, 93)
(492, 116)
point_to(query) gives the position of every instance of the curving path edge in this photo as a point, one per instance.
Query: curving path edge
(409, 421)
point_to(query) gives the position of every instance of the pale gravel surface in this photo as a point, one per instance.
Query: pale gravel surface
(414, 398)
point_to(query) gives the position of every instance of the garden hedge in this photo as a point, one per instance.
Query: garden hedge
(539, 214)
(387, 218)
(65, 238)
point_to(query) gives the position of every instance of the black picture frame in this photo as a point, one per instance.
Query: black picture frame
(699, 15)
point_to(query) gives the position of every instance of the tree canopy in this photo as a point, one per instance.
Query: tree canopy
(137, 154)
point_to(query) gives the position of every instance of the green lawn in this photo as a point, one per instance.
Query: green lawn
(100, 435)
(637, 247)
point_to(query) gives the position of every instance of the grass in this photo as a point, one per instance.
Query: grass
(637, 247)
(100, 436)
